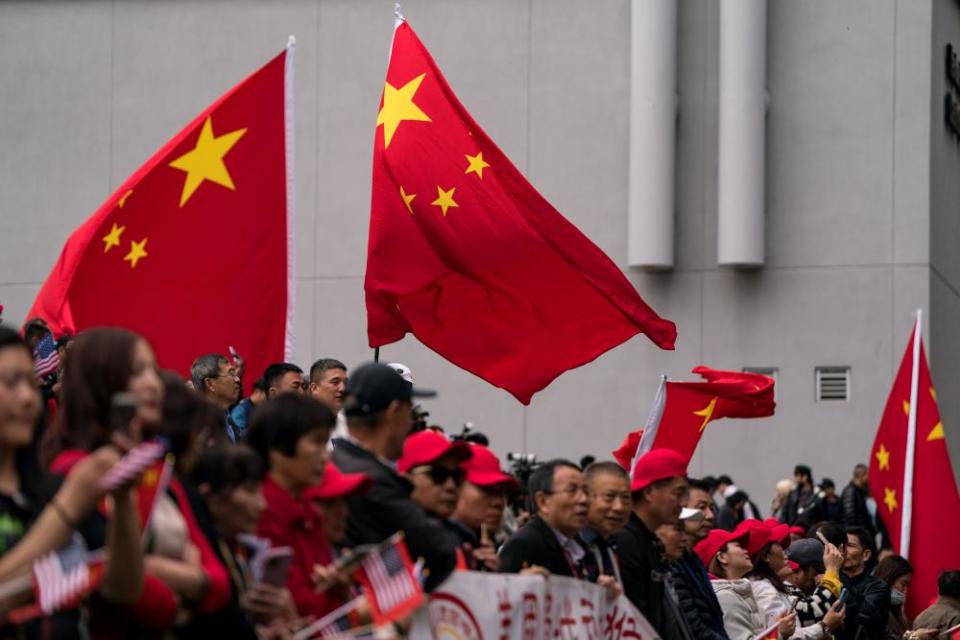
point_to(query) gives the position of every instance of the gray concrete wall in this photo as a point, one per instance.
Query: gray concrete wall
(90, 89)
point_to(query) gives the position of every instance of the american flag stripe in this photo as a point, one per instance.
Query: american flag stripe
(46, 358)
(390, 578)
(133, 464)
(56, 587)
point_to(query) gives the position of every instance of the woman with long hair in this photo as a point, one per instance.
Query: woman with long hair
(897, 572)
(183, 573)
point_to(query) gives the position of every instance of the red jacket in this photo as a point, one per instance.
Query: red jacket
(295, 523)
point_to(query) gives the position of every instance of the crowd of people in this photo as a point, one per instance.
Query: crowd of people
(315, 467)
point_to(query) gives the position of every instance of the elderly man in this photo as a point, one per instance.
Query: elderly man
(608, 487)
(216, 379)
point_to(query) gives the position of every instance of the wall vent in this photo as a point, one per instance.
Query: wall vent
(833, 384)
(770, 372)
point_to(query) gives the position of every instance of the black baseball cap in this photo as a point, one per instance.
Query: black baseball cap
(807, 552)
(373, 386)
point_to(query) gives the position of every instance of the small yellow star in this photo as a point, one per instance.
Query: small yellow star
(123, 199)
(883, 458)
(933, 394)
(407, 199)
(476, 164)
(398, 106)
(205, 161)
(936, 433)
(445, 199)
(137, 251)
(112, 239)
(706, 413)
(906, 407)
(890, 499)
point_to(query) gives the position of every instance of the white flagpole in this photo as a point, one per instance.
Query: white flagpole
(907, 514)
(652, 426)
(289, 133)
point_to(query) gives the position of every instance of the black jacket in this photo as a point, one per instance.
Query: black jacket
(388, 508)
(645, 577)
(868, 604)
(855, 512)
(698, 602)
(802, 509)
(535, 544)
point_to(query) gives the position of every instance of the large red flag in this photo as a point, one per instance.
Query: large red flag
(465, 254)
(194, 249)
(935, 504)
(682, 410)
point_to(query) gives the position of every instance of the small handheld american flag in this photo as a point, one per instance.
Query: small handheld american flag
(387, 578)
(135, 462)
(62, 577)
(46, 358)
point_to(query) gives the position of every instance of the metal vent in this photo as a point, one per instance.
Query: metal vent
(833, 384)
(770, 372)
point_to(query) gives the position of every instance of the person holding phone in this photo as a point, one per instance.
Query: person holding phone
(814, 587)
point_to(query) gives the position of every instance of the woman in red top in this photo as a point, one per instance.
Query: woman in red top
(182, 570)
(290, 432)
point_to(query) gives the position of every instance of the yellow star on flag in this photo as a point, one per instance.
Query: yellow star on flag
(407, 199)
(476, 164)
(445, 199)
(112, 239)
(936, 433)
(398, 106)
(137, 251)
(890, 499)
(205, 161)
(123, 199)
(706, 413)
(906, 407)
(883, 458)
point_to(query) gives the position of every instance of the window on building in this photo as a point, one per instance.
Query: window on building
(832, 384)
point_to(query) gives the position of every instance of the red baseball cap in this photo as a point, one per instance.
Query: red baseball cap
(710, 546)
(428, 446)
(759, 533)
(798, 531)
(337, 484)
(483, 469)
(657, 464)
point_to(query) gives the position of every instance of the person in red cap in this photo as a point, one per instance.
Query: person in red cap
(659, 486)
(550, 539)
(432, 463)
(330, 498)
(482, 501)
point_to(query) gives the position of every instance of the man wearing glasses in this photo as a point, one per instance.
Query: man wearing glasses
(551, 539)
(432, 463)
(217, 380)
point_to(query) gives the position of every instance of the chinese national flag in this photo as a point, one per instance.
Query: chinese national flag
(465, 254)
(682, 409)
(192, 251)
(935, 504)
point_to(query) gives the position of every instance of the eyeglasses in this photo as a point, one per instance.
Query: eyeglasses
(439, 475)
(229, 374)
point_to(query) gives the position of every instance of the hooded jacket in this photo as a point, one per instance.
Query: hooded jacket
(742, 617)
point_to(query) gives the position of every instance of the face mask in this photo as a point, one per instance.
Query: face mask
(897, 597)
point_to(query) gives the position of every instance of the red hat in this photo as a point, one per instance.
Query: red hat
(759, 535)
(337, 484)
(483, 469)
(657, 464)
(715, 541)
(798, 531)
(793, 566)
(428, 446)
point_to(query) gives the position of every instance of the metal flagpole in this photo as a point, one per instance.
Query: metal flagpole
(907, 513)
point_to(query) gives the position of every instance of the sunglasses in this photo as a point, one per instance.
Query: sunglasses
(440, 475)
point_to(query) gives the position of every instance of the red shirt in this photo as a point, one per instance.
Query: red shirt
(295, 523)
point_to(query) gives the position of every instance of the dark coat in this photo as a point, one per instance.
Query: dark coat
(868, 605)
(645, 577)
(855, 512)
(802, 509)
(535, 544)
(387, 508)
(698, 602)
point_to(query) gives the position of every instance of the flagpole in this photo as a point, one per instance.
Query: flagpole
(907, 515)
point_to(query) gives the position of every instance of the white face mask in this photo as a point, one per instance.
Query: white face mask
(897, 597)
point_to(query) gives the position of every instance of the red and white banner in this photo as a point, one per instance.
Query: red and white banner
(497, 606)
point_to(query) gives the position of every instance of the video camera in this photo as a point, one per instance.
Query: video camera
(521, 466)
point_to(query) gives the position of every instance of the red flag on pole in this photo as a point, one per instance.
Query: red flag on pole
(466, 255)
(194, 250)
(682, 410)
(933, 503)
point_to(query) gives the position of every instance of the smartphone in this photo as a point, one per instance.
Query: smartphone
(843, 596)
(275, 566)
(123, 407)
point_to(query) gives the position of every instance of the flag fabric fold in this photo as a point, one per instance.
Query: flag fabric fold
(466, 255)
(935, 501)
(194, 250)
(682, 410)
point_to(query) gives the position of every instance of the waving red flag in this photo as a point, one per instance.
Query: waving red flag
(682, 410)
(194, 249)
(935, 504)
(465, 254)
